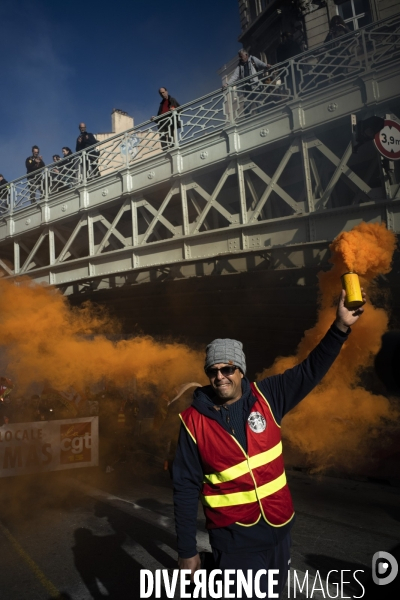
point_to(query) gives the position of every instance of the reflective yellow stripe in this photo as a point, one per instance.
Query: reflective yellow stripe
(273, 486)
(243, 467)
(245, 497)
(229, 499)
(265, 457)
(187, 428)
(229, 474)
(249, 524)
(266, 401)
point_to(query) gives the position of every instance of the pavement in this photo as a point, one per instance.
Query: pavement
(86, 534)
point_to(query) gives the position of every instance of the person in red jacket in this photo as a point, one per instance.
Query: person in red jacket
(166, 124)
(230, 455)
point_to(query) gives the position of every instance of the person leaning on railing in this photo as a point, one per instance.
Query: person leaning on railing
(86, 140)
(166, 125)
(248, 65)
(55, 178)
(337, 28)
(35, 181)
(67, 168)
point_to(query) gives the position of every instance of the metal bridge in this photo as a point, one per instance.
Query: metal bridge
(236, 174)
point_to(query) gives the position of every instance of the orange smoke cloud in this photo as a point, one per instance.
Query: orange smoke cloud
(335, 425)
(46, 339)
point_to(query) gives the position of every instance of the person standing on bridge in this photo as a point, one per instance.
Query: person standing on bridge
(86, 140)
(68, 168)
(54, 176)
(249, 65)
(337, 28)
(230, 455)
(35, 180)
(166, 124)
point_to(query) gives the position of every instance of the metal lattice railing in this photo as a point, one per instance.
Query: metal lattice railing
(374, 47)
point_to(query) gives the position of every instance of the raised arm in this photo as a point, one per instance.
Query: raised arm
(285, 391)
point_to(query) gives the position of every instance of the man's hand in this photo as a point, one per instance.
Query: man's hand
(346, 317)
(192, 563)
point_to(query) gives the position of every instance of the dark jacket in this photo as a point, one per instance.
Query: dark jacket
(336, 31)
(87, 140)
(32, 165)
(171, 102)
(284, 392)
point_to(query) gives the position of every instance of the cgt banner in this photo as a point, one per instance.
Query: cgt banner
(48, 446)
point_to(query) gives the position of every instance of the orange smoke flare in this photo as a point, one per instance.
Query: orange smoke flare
(335, 424)
(46, 339)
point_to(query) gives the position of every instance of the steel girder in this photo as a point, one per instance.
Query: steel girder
(233, 180)
(300, 193)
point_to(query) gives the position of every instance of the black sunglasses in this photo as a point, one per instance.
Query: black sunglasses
(213, 371)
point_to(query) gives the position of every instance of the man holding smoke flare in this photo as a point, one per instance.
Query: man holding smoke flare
(230, 455)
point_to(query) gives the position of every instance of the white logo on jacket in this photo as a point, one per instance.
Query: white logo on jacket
(256, 422)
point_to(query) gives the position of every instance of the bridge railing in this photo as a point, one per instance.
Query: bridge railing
(375, 47)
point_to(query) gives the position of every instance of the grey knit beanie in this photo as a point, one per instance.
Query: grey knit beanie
(225, 351)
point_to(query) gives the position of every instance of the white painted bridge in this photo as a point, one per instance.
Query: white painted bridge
(264, 165)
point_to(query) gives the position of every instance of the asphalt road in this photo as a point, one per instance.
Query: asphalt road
(85, 535)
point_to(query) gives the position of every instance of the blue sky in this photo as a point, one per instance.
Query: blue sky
(70, 61)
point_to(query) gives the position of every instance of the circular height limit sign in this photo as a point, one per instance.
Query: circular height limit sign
(387, 140)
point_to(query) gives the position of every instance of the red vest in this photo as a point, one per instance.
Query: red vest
(238, 487)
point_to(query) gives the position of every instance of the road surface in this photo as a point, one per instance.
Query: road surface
(82, 535)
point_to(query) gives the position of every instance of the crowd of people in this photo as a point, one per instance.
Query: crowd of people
(65, 170)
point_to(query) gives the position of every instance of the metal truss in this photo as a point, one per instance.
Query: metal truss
(301, 192)
(310, 256)
(364, 52)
